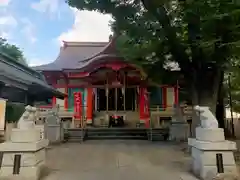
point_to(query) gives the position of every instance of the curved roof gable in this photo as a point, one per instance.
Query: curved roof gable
(74, 55)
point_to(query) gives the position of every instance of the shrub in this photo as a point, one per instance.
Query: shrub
(13, 112)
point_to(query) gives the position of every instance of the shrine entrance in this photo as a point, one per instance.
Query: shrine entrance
(116, 99)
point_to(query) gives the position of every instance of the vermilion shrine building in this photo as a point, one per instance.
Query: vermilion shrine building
(108, 84)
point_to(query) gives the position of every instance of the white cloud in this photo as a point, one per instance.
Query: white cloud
(47, 6)
(8, 20)
(28, 30)
(37, 62)
(5, 35)
(88, 26)
(4, 2)
(7, 24)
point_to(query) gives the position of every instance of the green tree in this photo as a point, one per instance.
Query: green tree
(13, 110)
(202, 37)
(232, 87)
(12, 51)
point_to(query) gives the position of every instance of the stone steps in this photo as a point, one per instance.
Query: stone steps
(156, 134)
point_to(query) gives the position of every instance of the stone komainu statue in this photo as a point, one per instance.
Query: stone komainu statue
(27, 120)
(208, 120)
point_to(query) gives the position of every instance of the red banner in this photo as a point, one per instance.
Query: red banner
(144, 106)
(77, 105)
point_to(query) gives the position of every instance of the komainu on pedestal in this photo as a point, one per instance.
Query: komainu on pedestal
(24, 155)
(210, 142)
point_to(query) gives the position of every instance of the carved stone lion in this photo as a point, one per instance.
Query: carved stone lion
(208, 120)
(27, 120)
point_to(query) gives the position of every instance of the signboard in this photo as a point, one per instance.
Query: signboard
(2, 113)
(77, 105)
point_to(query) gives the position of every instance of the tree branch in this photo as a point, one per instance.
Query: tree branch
(176, 47)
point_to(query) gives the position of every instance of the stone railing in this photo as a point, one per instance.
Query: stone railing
(159, 110)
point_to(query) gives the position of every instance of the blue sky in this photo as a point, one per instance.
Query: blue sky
(39, 26)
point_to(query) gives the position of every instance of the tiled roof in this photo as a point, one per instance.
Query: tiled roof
(14, 73)
(74, 55)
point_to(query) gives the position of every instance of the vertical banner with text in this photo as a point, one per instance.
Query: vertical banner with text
(77, 105)
(2, 113)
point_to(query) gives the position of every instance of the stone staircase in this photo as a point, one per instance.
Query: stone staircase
(80, 135)
(74, 135)
(158, 134)
(116, 133)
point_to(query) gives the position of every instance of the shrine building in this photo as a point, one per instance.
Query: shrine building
(107, 85)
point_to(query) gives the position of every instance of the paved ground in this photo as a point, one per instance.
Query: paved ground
(115, 160)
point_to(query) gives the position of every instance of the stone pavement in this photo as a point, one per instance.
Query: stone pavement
(117, 159)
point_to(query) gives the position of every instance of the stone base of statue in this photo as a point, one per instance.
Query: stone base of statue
(179, 131)
(209, 143)
(53, 129)
(24, 155)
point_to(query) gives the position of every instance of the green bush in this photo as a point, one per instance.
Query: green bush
(14, 112)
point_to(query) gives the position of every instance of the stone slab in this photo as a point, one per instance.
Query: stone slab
(42, 130)
(179, 131)
(25, 135)
(209, 157)
(213, 135)
(23, 147)
(212, 146)
(27, 158)
(208, 172)
(26, 173)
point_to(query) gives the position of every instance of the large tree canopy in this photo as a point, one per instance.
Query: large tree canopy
(202, 37)
(12, 50)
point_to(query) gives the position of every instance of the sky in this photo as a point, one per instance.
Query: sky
(38, 27)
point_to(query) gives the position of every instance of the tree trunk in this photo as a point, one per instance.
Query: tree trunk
(220, 108)
(205, 93)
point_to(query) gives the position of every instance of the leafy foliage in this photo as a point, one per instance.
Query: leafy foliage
(232, 87)
(12, 51)
(14, 112)
(201, 37)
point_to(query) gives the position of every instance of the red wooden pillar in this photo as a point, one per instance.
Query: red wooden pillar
(141, 105)
(89, 105)
(176, 95)
(164, 96)
(66, 92)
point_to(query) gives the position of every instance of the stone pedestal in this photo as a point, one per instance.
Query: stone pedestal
(204, 148)
(179, 131)
(54, 129)
(24, 155)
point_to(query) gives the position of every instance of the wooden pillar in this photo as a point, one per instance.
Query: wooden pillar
(124, 91)
(141, 105)
(107, 92)
(176, 91)
(89, 105)
(54, 83)
(116, 95)
(66, 92)
(136, 94)
(164, 95)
